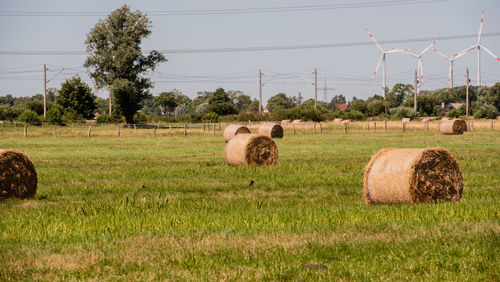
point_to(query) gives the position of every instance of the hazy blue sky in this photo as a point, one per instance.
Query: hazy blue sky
(347, 69)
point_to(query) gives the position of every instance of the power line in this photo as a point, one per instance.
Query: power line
(233, 11)
(265, 48)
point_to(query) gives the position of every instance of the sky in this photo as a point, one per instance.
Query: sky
(31, 30)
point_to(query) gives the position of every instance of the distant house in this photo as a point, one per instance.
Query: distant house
(451, 106)
(341, 106)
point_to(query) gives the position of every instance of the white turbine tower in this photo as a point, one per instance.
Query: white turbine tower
(479, 47)
(382, 60)
(451, 59)
(420, 69)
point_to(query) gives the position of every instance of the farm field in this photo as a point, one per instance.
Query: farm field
(168, 207)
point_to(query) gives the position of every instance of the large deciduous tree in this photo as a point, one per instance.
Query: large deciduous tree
(116, 61)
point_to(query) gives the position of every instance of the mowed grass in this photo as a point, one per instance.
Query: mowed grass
(168, 207)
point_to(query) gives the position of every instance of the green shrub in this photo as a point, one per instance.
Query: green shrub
(486, 111)
(403, 112)
(212, 117)
(106, 118)
(9, 113)
(54, 116)
(140, 118)
(30, 117)
(454, 113)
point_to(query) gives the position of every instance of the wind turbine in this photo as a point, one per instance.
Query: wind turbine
(479, 47)
(451, 59)
(420, 69)
(382, 60)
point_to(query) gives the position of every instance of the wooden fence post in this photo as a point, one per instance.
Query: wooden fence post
(154, 131)
(90, 129)
(320, 127)
(214, 129)
(492, 125)
(314, 126)
(118, 133)
(404, 126)
(293, 128)
(385, 125)
(55, 131)
(170, 127)
(185, 130)
(25, 131)
(346, 127)
(375, 126)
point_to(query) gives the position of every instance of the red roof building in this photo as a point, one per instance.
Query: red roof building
(341, 106)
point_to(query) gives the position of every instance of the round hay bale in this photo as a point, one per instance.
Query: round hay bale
(337, 120)
(412, 176)
(405, 120)
(285, 122)
(17, 175)
(234, 129)
(251, 149)
(453, 126)
(297, 121)
(272, 130)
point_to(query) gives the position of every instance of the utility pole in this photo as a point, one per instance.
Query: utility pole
(315, 88)
(44, 90)
(260, 92)
(467, 95)
(325, 93)
(415, 93)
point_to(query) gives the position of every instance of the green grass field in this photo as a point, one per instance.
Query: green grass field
(168, 207)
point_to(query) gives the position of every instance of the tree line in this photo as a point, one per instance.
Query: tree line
(116, 63)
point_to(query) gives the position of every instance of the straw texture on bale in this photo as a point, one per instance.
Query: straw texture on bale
(17, 175)
(285, 122)
(337, 120)
(272, 130)
(234, 129)
(297, 121)
(412, 176)
(251, 149)
(405, 120)
(453, 126)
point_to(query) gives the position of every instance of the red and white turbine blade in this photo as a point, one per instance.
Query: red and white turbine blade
(428, 47)
(401, 51)
(441, 54)
(480, 29)
(489, 52)
(378, 66)
(463, 52)
(376, 43)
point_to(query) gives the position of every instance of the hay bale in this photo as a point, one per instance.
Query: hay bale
(406, 120)
(297, 121)
(17, 175)
(234, 129)
(251, 149)
(412, 176)
(285, 122)
(337, 120)
(453, 126)
(272, 130)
